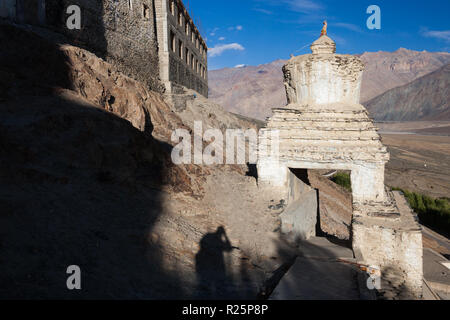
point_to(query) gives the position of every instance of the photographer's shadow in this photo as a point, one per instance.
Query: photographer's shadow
(212, 277)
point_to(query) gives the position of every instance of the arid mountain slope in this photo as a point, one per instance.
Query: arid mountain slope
(254, 91)
(388, 70)
(427, 98)
(249, 91)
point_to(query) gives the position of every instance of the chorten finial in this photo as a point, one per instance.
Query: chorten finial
(324, 29)
(323, 45)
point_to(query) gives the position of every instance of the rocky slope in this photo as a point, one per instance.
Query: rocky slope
(427, 98)
(388, 70)
(253, 91)
(249, 91)
(86, 179)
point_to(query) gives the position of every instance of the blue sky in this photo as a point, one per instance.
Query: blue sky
(253, 32)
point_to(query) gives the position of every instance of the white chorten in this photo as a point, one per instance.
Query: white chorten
(324, 126)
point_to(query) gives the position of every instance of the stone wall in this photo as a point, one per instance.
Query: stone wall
(23, 11)
(182, 51)
(121, 32)
(392, 242)
(153, 41)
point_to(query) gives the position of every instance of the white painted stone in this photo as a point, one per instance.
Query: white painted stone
(393, 244)
(272, 172)
(323, 77)
(325, 127)
(368, 183)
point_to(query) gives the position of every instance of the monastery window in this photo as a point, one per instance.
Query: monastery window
(145, 11)
(187, 28)
(172, 7)
(172, 41)
(180, 18)
(187, 57)
(192, 61)
(180, 49)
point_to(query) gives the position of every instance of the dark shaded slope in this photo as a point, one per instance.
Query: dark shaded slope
(78, 184)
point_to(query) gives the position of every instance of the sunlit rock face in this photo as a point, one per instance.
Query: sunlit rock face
(323, 77)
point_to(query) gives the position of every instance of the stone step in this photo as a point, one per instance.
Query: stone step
(288, 112)
(322, 117)
(362, 143)
(320, 157)
(328, 135)
(307, 140)
(319, 119)
(305, 150)
(324, 127)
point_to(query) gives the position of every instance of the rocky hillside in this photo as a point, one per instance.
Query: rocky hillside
(249, 91)
(86, 179)
(388, 70)
(253, 91)
(427, 98)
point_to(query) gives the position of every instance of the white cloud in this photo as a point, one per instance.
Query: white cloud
(303, 6)
(268, 12)
(219, 49)
(213, 32)
(240, 66)
(221, 38)
(238, 28)
(442, 35)
(348, 26)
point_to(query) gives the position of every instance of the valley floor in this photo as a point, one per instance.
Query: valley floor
(419, 163)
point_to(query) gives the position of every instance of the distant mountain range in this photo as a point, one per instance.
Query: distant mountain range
(426, 98)
(250, 91)
(254, 90)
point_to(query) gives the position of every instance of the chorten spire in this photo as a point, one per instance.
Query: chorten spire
(323, 45)
(324, 29)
